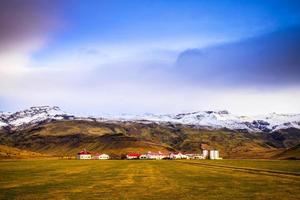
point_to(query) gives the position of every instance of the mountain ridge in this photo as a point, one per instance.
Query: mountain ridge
(50, 131)
(202, 119)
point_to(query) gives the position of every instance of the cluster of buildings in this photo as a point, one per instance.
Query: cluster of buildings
(85, 155)
(205, 154)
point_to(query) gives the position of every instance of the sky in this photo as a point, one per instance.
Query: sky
(150, 56)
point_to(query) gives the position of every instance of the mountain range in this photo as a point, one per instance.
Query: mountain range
(204, 119)
(51, 131)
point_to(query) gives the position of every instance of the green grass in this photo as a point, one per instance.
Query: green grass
(121, 179)
(277, 165)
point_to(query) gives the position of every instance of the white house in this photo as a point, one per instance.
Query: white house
(155, 156)
(84, 155)
(143, 157)
(183, 156)
(194, 156)
(101, 156)
(178, 156)
(132, 156)
(199, 157)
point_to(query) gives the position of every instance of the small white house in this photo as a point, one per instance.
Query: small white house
(178, 156)
(101, 156)
(143, 157)
(175, 156)
(183, 156)
(194, 156)
(132, 156)
(84, 155)
(198, 157)
(155, 156)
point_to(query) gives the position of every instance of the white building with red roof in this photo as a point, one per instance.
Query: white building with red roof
(84, 155)
(132, 156)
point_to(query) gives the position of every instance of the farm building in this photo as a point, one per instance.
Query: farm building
(132, 156)
(143, 157)
(214, 155)
(205, 153)
(101, 156)
(198, 157)
(84, 155)
(194, 156)
(178, 156)
(156, 156)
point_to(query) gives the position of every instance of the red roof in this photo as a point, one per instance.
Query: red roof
(84, 153)
(134, 154)
(176, 153)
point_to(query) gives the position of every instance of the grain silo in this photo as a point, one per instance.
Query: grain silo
(216, 154)
(212, 154)
(205, 153)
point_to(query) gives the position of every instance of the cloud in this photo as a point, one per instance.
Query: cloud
(22, 21)
(84, 85)
(268, 60)
(134, 77)
(25, 27)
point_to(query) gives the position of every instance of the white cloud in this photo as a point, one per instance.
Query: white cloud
(118, 79)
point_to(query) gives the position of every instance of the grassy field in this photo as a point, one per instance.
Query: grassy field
(122, 179)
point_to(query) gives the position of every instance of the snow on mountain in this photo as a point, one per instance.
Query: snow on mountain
(281, 121)
(205, 119)
(220, 119)
(3, 117)
(213, 119)
(32, 115)
(3, 124)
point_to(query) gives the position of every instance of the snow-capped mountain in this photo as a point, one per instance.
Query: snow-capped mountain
(31, 116)
(203, 119)
(222, 119)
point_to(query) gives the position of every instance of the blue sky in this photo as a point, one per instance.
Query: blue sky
(109, 56)
(151, 21)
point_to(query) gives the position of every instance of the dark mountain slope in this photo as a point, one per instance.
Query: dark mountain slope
(68, 137)
(291, 153)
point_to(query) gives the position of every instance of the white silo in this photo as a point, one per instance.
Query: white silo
(216, 154)
(212, 154)
(205, 153)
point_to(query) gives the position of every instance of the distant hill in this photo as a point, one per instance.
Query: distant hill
(291, 153)
(48, 131)
(68, 137)
(210, 120)
(7, 152)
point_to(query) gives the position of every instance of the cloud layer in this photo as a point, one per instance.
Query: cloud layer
(155, 59)
(23, 21)
(268, 60)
